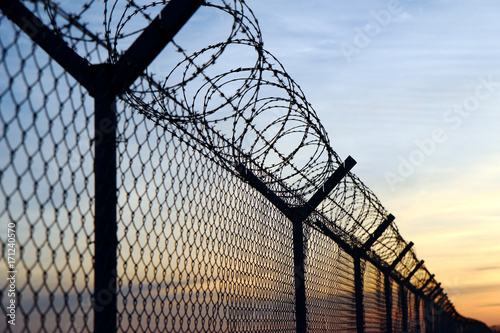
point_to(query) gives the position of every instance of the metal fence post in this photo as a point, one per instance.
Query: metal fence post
(299, 269)
(403, 294)
(297, 216)
(388, 302)
(105, 223)
(358, 294)
(429, 316)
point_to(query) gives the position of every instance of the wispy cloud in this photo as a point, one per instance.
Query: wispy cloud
(491, 305)
(488, 268)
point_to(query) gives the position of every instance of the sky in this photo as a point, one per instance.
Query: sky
(411, 90)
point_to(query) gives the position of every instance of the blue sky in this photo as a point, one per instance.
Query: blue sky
(416, 104)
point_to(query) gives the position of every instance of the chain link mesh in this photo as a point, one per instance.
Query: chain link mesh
(329, 286)
(198, 248)
(45, 169)
(374, 299)
(397, 306)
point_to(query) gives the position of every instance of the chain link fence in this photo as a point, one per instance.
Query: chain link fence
(207, 199)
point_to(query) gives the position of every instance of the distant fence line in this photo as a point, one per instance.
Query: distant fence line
(201, 198)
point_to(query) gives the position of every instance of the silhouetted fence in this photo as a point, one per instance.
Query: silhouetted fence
(154, 185)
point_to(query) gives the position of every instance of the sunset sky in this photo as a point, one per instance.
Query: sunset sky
(411, 90)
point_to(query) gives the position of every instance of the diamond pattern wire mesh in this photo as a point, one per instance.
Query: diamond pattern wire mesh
(374, 299)
(199, 248)
(329, 286)
(397, 306)
(45, 169)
